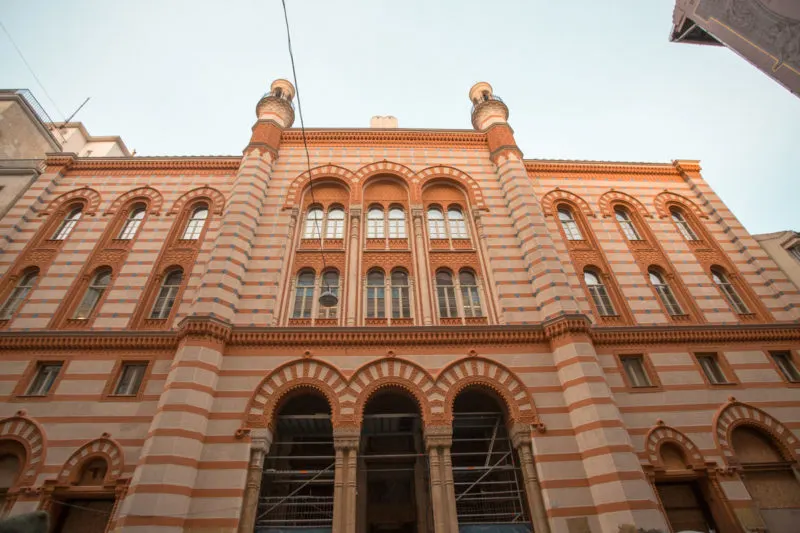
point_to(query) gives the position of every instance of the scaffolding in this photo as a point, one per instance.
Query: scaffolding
(487, 478)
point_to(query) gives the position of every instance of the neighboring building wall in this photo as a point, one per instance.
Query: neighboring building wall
(224, 360)
(767, 34)
(783, 247)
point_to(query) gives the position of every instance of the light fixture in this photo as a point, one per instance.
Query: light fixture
(328, 299)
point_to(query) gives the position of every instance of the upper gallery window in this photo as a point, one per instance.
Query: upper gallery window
(446, 294)
(133, 222)
(43, 380)
(436, 224)
(683, 225)
(458, 226)
(314, 219)
(97, 287)
(786, 365)
(130, 378)
(635, 370)
(18, 294)
(167, 294)
(304, 294)
(599, 294)
(665, 293)
(625, 222)
(470, 295)
(729, 291)
(376, 297)
(401, 304)
(569, 224)
(329, 283)
(67, 225)
(335, 224)
(397, 223)
(375, 223)
(196, 223)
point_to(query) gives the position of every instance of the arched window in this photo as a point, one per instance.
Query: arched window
(458, 226)
(401, 305)
(683, 225)
(446, 294)
(313, 229)
(335, 226)
(196, 223)
(97, 287)
(599, 294)
(436, 226)
(376, 299)
(330, 283)
(470, 295)
(729, 291)
(18, 295)
(67, 225)
(397, 223)
(625, 222)
(375, 223)
(665, 293)
(166, 296)
(133, 222)
(571, 229)
(304, 294)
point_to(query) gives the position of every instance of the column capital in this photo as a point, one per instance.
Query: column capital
(346, 438)
(417, 212)
(261, 439)
(520, 434)
(355, 211)
(438, 436)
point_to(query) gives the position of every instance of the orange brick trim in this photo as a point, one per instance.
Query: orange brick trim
(104, 447)
(90, 198)
(146, 164)
(607, 200)
(370, 138)
(601, 167)
(551, 199)
(153, 197)
(452, 175)
(734, 414)
(31, 436)
(335, 173)
(215, 199)
(661, 434)
(663, 200)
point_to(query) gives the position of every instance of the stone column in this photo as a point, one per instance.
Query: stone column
(260, 441)
(488, 292)
(438, 440)
(422, 276)
(521, 440)
(345, 442)
(353, 265)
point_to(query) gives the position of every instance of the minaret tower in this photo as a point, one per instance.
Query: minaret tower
(490, 114)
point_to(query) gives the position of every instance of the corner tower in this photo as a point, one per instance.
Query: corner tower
(490, 115)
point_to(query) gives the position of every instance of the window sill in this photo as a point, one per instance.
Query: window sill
(680, 318)
(439, 244)
(644, 388)
(450, 321)
(31, 398)
(724, 384)
(476, 320)
(326, 322)
(78, 322)
(462, 244)
(398, 244)
(376, 321)
(402, 321)
(300, 322)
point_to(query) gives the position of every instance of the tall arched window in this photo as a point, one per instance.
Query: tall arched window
(375, 223)
(401, 304)
(625, 222)
(97, 287)
(571, 229)
(446, 294)
(18, 295)
(683, 225)
(397, 223)
(313, 228)
(458, 226)
(329, 283)
(133, 222)
(196, 223)
(68, 224)
(436, 226)
(729, 291)
(599, 294)
(376, 299)
(167, 294)
(665, 293)
(335, 226)
(470, 295)
(304, 294)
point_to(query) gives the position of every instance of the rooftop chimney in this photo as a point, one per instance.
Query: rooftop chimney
(387, 122)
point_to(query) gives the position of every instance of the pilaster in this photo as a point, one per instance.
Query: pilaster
(438, 441)
(260, 442)
(345, 443)
(423, 272)
(522, 442)
(353, 265)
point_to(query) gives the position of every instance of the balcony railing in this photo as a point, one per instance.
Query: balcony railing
(486, 98)
(281, 96)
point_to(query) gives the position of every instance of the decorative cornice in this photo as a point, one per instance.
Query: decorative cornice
(358, 137)
(600, 167)
(218, 331)
(145, 164)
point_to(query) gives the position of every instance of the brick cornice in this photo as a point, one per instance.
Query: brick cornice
(144, 164)
(600, 167)
(362, 137)
(507, 335)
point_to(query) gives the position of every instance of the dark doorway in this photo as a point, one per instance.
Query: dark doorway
(81, 515)
(393, 494)
(685, 506)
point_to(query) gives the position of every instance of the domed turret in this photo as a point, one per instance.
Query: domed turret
(487, 109)
(277, 104)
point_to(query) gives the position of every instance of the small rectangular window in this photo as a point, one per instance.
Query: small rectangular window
(795, 251)
(46, 374)
(712, 370)
(635, 370)
(786, 365)
(130, 379)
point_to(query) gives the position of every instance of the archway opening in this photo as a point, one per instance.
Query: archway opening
(488, 482)
(86, 505)
(684, 493)
(769, 477)
(298, 473)
(393, 495)
(12, 456)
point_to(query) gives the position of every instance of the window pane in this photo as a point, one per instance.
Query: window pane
(683, 226)
(132, 224)
(43, 380)
(335, 225)
(458, 226)
(18, 295)
(397, 223)
(571, 229)
(313, 228)
(786, 366)
(436, 225)
(634, 369)
(66, 226)
(130, 379)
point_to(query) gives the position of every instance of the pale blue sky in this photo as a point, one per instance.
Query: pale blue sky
(583, 80)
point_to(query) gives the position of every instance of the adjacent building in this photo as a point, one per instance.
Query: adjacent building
(412, 330)
(764, 32)
(783, 247)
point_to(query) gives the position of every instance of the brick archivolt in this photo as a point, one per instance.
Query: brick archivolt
(556, 195)
(29, 434)
(104, 447)
(154, 205)
(348, 396)
(215, 199)
(662, 434)
(663, 200)
(415, 181)
(734, 414)
(607, 200)
(90, 197)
